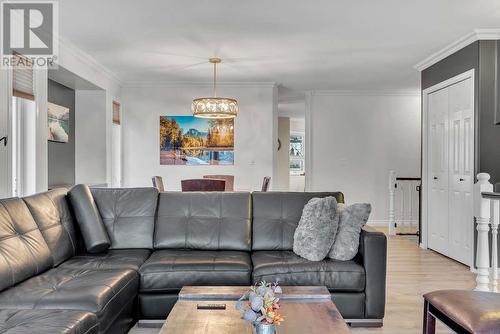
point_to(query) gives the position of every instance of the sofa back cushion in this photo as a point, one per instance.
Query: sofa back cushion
(204, 220)
(52, 214)
(128, 214)
(23, 251)
(276, 216)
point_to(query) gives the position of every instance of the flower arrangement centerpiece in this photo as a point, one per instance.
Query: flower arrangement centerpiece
(260, 307)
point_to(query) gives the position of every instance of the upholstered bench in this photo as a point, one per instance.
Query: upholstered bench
(463, 311)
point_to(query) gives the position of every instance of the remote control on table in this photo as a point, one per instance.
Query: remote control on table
(211, 306)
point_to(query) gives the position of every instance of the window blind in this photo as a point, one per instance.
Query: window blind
(22, 78)
(116, 112)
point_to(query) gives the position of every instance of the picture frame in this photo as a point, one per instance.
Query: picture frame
(58, 123)
(193, 141)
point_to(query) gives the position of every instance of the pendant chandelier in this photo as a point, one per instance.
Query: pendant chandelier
(215, 107)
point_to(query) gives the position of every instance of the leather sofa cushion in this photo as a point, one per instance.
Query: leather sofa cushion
(89, 220)
(102, 292)
(128, 214)
(47, 322)
(23, 251)
(52, 214)
(113, 259)
(156, 305)
(291, 269)
(276, 216)
(170, 270)
(350, 304)
(204, 220)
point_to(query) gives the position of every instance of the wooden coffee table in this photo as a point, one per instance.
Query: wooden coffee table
(306, 310)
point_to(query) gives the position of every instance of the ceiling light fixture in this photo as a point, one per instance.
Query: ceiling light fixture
(215, 107)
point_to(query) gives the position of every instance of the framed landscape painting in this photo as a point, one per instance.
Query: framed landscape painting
(58, 123)
(188, 140)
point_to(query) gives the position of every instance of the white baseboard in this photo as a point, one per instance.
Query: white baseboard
(380, 223)
(385, 223)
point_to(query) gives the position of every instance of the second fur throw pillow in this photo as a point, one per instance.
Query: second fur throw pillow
(352, 219)
(315, 233)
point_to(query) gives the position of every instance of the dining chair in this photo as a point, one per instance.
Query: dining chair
(228, 178)
(158, 183)
(203, 185)
(265, 183)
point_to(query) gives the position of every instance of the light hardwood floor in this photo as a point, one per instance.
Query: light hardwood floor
(411, 272)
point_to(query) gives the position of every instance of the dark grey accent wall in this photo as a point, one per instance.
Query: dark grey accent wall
(453, 65)
(484, 58)
(497, 113)
(461, 61)
(489, 132)
(61, 156)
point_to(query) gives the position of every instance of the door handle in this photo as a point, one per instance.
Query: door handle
(4, 139)
(462, 179)
(435, 178)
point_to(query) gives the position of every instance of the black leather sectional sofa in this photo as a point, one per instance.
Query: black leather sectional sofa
(159, 243)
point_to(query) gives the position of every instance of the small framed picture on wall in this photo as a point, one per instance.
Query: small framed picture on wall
(58, 123)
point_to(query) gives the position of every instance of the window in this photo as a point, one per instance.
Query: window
(23, 128)
(22, 78)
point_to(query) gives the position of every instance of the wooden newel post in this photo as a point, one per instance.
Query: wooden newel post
(482, 214)
(392, 214)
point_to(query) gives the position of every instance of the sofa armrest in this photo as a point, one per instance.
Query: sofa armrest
(373, 256)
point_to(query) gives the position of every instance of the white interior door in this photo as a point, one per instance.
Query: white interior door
(438, 170)
(450, 167)
(461, 178)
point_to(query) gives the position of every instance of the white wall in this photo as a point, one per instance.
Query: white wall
(354, 139)
(85, 67)
(254, 131)
(41, 81)
(282, 181)
(298, 125)
(90, 137)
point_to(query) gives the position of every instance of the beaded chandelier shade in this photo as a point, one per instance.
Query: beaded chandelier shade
(215, 107)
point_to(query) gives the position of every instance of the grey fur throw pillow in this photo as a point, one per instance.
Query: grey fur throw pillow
(352, 219)
(315, 233)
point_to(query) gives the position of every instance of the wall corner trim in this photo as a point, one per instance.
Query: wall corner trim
(78, 53)
(476, 35)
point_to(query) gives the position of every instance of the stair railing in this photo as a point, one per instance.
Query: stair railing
(487, 215)
(404, 203)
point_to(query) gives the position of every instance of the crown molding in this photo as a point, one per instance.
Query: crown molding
(476, 35)
(147, 84)
(292, 99)
(90, 61)
(363, 93)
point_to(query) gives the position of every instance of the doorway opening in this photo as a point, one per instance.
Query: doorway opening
(291, 162)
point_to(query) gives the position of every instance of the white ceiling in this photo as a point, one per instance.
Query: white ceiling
(300, 45)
